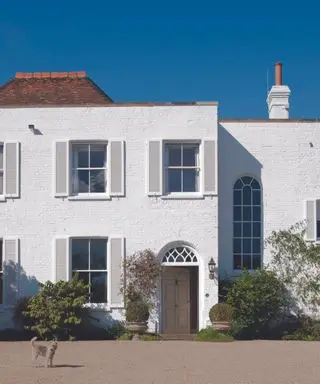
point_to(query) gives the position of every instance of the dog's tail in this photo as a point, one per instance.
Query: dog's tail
(33, 340)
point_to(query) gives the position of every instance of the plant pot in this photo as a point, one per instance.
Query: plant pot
(137, 328)
(221, 325)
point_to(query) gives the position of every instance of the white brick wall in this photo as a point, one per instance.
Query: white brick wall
(280, 154)
(144, 221)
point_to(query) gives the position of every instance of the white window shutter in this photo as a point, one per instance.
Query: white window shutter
(155, 168)
(61, 169)
(12, 169)
(61, 267)
(115, 267)
(210, 167)
(11, 271)
(117, 168)
(311, 220)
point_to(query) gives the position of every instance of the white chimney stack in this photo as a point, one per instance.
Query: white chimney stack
(278, 97)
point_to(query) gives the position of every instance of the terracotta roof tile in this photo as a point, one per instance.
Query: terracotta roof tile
(52, 88)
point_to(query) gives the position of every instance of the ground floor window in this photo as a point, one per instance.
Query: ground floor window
(89, 260)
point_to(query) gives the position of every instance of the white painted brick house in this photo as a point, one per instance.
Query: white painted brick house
(85, 181)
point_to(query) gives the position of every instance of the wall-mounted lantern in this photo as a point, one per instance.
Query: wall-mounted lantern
(212, 268)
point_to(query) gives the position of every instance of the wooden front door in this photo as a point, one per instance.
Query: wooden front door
(176, 300)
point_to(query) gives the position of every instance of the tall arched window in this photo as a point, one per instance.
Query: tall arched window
(247, 223)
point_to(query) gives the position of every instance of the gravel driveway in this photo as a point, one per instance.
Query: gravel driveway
(167, 362)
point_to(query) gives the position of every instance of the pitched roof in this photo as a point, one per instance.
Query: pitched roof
(52, 88)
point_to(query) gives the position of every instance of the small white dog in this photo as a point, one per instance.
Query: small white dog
(47, 352)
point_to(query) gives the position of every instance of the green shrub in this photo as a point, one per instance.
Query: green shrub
(126, 336)
(210, 334)
(19, 317)
(224, 286)
(257, 298)
(137, 311)
(57, 309)
(116, 330)
(309, 330)
(299, 337)
(150, 337)
(221, 312)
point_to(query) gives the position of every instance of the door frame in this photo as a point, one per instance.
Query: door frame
(161, 307)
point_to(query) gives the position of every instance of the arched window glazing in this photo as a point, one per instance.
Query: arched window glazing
(247, 224)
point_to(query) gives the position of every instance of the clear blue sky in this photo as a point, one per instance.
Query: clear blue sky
(171, 50)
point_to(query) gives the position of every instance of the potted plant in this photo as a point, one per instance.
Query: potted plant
(139, 282)
(137, 313)
(221, 315)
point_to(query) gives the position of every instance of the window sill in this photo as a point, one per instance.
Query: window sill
(183, 196)
(2, 198)
(86, 197)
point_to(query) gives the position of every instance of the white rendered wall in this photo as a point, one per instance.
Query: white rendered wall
(281, 157)
(146, 222)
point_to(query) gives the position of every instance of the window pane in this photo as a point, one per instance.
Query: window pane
(1, 183)
(246, 263)
(97, 156)
(98, 287)
(318, 229)
(238, 184)
(98, 254)
(1, 288)
(236, 229)
(237, 246)
(83, 181)
(256, 229)
(190, 153)
(81, 156)
(246, 230)
(174, 180)
(246, 196)
(256, 198)
(84, 276)
(237, 198)
(256, 262)
(1, 156)
(246, 244)
(246, 180)
(247, 213)
(80, 254)
(255, 184)
(174, 155)
(236, 261)
(190, 180)
(237, 216)
(97, 181)
(256, 246)
(256, 214)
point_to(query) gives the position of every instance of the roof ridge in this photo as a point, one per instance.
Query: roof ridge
(50, 75)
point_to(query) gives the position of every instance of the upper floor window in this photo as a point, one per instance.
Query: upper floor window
(247, 245)
(89, 260)
(89, 168)
(182, 167)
